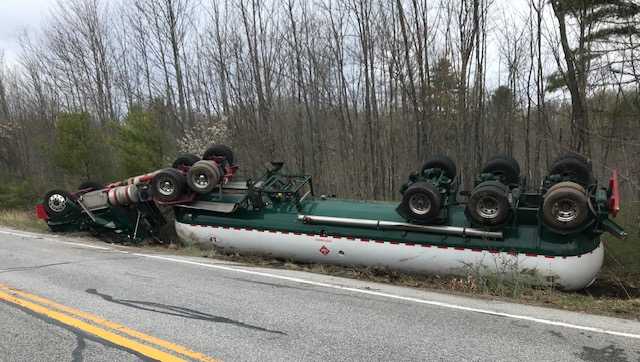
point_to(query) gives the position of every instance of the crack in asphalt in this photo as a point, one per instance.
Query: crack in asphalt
(177, 311)
(23, 268)
(81, 336)
(34, 267)
(81, 345)
(270, 284)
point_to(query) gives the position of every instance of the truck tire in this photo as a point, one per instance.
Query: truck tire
(504, 156)
(217, 150)
(421, 203)
(506, 170)
(572, 169)
(56, 228)
(565, 208)
(168, 185)
(204, 176)
(57, 203)
(566, 184)
(90, 186)
(575, 155)
(185, 160)
(442, 162)
(489, 204)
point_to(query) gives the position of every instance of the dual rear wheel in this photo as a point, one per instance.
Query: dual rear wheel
(421, 203)
(203, 176)
(565, 208)
(422, 200)
(191, 173)
(489, 204)
(572, 167)
(169, 185)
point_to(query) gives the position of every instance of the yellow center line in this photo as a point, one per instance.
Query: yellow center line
(99, 321)
(88, 328)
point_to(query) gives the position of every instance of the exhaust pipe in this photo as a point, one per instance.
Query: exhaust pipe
(392, 225)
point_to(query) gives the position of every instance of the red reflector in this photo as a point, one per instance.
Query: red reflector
(614, 191)
(41, 213)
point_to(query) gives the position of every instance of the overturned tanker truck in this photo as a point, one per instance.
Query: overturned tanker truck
(552, 233)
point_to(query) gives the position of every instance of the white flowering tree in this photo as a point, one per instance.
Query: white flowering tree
(204, 132)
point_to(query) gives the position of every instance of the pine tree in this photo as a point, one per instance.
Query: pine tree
(595, 23)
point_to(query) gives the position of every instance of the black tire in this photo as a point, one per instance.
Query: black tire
(57, 203)
(57, 228)
(185, 160)
(442, 162)
(577, 156)
(489, 204)
(90, 186)
(421, 203)
(566, 184)
(505, 170)
(572, 169)
(218, 151)
(565, 209)
(504, 156)
(168, 185)
(204, 176)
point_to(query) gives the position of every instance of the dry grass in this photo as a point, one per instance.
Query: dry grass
(22, 219)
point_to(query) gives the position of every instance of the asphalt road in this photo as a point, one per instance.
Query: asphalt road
(74, 299)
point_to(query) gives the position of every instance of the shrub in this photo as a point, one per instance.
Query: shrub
(142, 142)
(77, 145)
(16, 194)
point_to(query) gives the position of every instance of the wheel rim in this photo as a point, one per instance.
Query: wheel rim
(488, 207)
(57, 202)
(419, 204)
(201, 180)
(166, 187)
(565, 210)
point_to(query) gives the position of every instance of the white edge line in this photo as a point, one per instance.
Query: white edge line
(399, 297)
(86, 245)
(52, 238)
(356, 290)
(24, 235)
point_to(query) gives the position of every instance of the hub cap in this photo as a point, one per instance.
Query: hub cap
(565, 210)
(201, 180)
(166, 187)
(487, 207)
(57, 202)
(419, 204)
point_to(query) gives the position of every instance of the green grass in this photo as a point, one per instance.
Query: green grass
(622, 257)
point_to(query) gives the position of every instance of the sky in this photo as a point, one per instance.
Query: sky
(16, 16)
